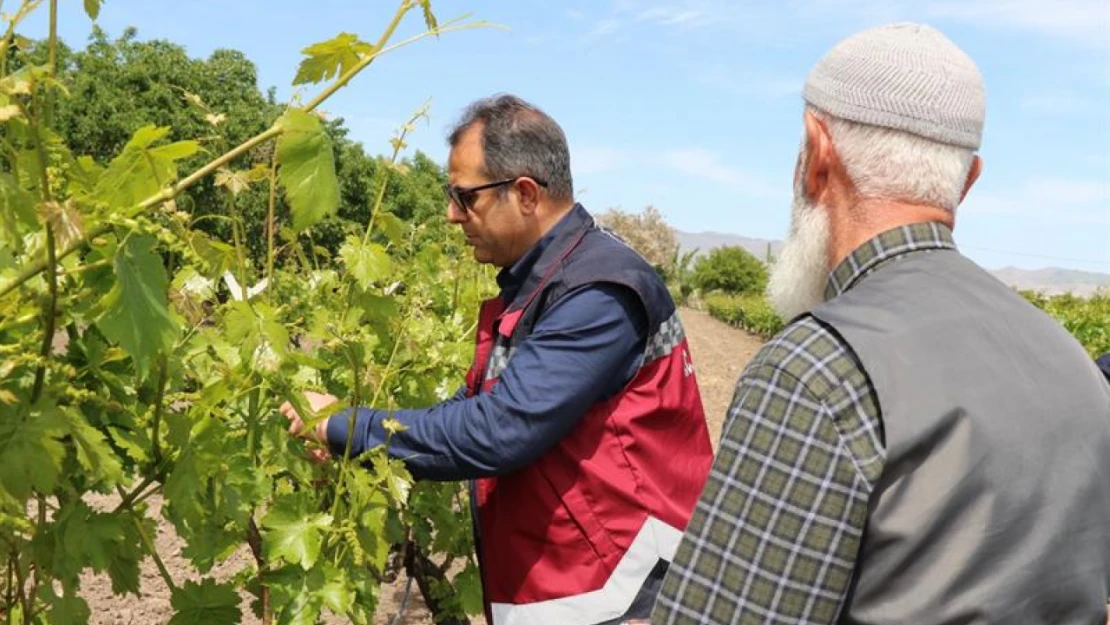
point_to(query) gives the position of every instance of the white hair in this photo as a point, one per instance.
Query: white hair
(896, 165)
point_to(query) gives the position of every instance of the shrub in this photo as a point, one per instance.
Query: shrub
(730, 269)
(749, 312)
(1088, 319)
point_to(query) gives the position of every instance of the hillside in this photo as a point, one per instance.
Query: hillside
(1049, 280)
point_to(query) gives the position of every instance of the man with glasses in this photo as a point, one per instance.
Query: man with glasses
(581, 422)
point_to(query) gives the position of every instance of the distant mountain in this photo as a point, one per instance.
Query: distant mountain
(705, 241)
(1051, 280)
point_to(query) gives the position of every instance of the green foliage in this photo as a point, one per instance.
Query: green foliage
(135, 311)
(750, 312)
(140, 170)
(730, 269)
(206, 603)
(127, 367)
(1087, 318)
(332, 58)
(307, 169)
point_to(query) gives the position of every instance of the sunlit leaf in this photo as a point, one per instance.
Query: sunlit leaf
(64, 218)
(367, 263)
(140, 170)
(292, 535)
(306, 168)
(331, 58)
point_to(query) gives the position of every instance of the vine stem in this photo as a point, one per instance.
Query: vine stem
(343, 468)
(254, 541)
(163, 378)
(51, 245)
(271, 225)
(28, 611)
(398, 143)
(148, 544)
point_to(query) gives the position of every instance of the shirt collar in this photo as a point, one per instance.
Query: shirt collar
(885, 247)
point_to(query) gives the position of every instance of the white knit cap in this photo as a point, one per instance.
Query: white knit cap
(903, 76)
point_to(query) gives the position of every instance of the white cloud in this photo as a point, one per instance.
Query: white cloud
(575, 15)
(691, 162)
(1080, 21)
(1086, 22)
(672, 16)
(709, 166)
(605, 27)
(1048, 199)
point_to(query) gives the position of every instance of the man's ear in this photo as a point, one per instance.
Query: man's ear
(972, 176)
(819, 157)
(528, 190)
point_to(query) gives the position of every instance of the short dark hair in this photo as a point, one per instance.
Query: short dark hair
(519, 139)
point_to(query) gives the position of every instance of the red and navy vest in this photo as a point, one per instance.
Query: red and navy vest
(572, 538)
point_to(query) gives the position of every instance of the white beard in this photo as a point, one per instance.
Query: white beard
(801, 270)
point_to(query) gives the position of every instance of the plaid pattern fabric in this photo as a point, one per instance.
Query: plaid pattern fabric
(774, 536)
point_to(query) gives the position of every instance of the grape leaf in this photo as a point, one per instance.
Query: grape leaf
(92, 8)
(136, 314)
(140, 171)
(307, 168)
(206, 603)
(331, 58)
(17, 211)
(255, 328)
(293, 536)
(367, 263)
(67, 610)
(93, 452)
(468, 585)
(30, 449)
(336, 593)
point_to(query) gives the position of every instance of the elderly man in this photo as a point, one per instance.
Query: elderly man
(581, 419)
(918, 445)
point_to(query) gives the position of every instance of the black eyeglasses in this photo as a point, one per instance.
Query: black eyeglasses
(464, 197)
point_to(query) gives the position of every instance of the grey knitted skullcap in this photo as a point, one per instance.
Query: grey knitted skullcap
(903, 76)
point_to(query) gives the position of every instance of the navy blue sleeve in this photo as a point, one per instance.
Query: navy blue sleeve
(583, 350)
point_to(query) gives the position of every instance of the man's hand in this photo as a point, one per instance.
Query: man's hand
(318, 434)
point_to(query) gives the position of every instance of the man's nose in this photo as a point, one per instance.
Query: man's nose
(455, 214)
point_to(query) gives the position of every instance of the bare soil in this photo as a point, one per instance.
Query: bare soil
(719, 353)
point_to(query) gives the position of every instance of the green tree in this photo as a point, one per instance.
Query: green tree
(118, 85)
(730, 269)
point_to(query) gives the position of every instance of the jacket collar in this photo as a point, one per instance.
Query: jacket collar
(520, 279)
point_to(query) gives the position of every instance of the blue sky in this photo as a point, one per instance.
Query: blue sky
(693, 105)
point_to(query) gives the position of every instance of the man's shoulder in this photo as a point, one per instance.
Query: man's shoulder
(808, 354)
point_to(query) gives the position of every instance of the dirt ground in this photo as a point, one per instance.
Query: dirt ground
(719, 354)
